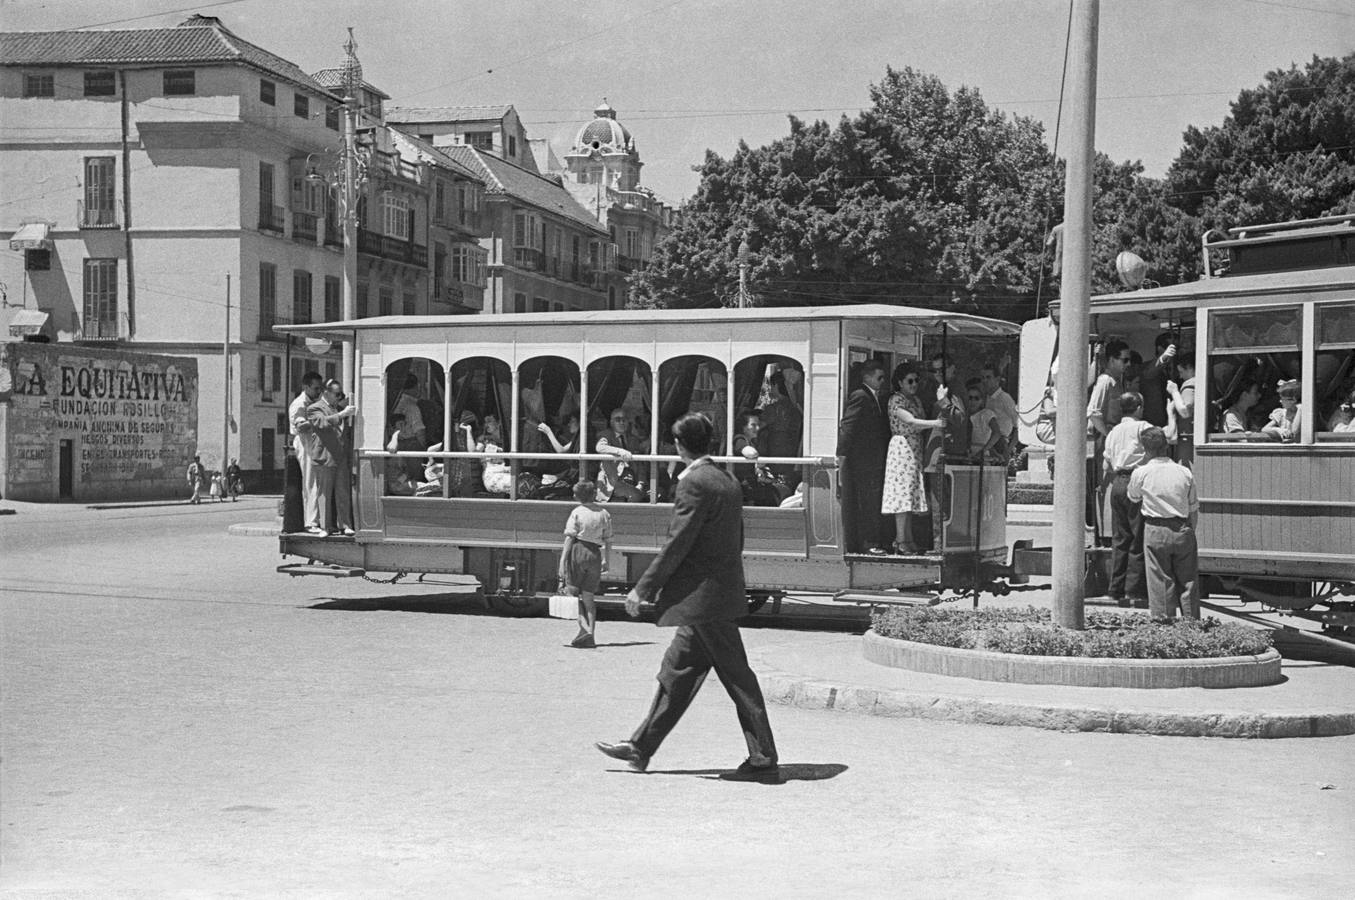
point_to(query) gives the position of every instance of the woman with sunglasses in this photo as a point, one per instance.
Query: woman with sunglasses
(905, 492)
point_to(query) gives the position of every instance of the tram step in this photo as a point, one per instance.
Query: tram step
(295, 569)
(883, 598)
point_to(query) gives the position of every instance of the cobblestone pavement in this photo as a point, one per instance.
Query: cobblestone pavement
(179, 720)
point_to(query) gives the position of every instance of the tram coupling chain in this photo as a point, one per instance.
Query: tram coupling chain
(394, 578)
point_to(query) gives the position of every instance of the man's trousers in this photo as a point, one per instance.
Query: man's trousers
(1171, 557)
(310, 490)
(1126, 542)
(695, 650)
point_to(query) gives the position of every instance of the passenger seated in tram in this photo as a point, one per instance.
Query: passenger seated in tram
(1286, 421)
(760, 486)
(433, 472)
(782, 425)
(1237, 416)
(1342, 419)
(397, 475)
(498, 476)
(618, 480)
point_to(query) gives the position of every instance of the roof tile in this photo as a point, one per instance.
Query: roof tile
(502, 177)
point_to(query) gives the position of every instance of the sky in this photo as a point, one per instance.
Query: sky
(690, 75)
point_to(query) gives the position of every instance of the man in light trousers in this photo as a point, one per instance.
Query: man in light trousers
(1170, 510)
(312, 383)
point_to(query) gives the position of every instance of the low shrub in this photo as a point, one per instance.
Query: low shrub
(1030, 631)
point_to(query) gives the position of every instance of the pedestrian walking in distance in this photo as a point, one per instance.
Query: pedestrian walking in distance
(197, 479)
(1171, 508)
(696, 584)
(583, 559)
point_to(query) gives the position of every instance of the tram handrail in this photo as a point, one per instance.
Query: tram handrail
(826, 461)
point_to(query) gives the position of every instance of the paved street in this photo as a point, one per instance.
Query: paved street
(178, 719)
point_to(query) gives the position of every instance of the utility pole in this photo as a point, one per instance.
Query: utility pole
(352, 76)
(226, 382)
(1068, 565)
(744, 252)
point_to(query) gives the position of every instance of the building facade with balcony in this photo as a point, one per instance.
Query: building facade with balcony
(149, 166)
(544, 252)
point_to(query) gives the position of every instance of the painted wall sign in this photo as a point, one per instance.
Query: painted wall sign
(131, 418)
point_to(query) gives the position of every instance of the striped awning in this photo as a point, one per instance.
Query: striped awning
(32, 236)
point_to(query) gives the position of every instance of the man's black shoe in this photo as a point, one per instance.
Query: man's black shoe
(764, 774)
(627, 753)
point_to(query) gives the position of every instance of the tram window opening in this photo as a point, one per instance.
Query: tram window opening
(1254, 376)
(415, 400)
(772, 388)
(690, 384)
(548, 424)
(619, 421)
(1334, 373)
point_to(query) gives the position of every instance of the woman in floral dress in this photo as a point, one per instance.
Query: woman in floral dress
(905, 492)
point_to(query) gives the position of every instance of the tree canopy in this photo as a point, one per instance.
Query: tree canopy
(1286, 152)
(930, 197)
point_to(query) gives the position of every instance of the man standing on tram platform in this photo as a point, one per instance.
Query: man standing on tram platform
(697, 584)
(862, 445)
(298, 425)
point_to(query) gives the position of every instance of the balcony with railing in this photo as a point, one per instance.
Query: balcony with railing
(527, 258)
(374, 244)
(104, 215)
(112, 327)
(305, 227)
(271, 218)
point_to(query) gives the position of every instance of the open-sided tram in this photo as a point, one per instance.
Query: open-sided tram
(1277, 305)
(485, 386)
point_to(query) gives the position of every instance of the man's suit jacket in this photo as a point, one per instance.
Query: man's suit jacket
(323, 442)
(863, 434)
(698, 575)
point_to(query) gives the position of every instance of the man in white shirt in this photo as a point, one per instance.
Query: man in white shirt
(298, 426)
(1170, 510)
(1124, 453)
(1003, 407)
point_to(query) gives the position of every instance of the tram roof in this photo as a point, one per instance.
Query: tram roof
(1291, 286)
(927, 319)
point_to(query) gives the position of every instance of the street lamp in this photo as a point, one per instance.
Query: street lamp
(352, 175)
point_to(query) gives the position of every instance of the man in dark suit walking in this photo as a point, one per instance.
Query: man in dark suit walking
(696, 583)
(862, 445)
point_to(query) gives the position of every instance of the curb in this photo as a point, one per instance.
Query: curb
(1074, 671)
(255, 529)
(811, 693)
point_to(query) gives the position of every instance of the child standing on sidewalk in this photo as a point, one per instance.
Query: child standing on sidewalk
(583, 559)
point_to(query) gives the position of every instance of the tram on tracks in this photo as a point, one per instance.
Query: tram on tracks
(1276, 305)
(488, 389)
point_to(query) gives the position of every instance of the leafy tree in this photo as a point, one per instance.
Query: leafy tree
(1286, 152)
(927, 198)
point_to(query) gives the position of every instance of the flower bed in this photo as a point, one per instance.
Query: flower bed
(1030, 631)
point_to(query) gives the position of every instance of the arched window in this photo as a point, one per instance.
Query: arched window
(548, 394)
(774, 387)
(415, 399)
(618, 418)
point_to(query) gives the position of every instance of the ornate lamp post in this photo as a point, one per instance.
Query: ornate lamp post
(346, 178)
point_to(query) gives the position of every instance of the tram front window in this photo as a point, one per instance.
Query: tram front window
(1334, 370)
(1255, 376)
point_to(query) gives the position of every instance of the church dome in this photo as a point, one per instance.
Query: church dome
(604, 132)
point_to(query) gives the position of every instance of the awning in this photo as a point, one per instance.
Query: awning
(32, 236)
(26, 322)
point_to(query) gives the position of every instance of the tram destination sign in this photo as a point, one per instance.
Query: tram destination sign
(95, 423)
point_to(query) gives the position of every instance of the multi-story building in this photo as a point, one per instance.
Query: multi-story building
(544, 252)
(151, 166)
(490, 129)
